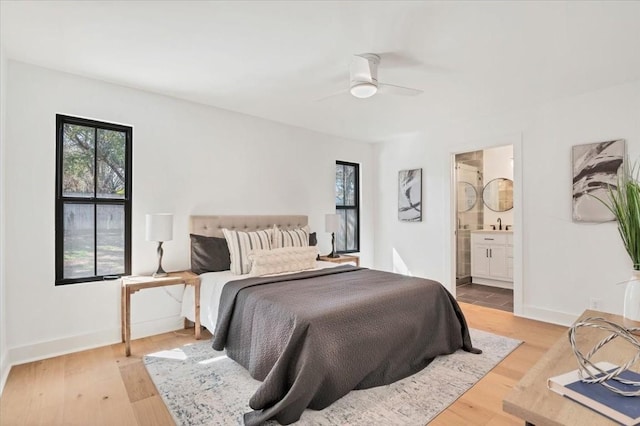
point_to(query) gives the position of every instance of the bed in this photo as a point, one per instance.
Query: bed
(313, 336)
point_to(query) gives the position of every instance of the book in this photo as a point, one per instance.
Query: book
(622, 409)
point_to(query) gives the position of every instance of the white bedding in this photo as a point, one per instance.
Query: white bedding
(211, 284)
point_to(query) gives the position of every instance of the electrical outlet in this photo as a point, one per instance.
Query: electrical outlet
(595, 304)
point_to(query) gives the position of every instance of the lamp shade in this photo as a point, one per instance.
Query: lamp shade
(159, 227)
(331, 222)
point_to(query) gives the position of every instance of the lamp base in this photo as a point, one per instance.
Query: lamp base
(160, 272)
(333, 254)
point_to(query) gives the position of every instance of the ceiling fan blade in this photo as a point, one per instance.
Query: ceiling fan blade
(398, 59)
(333, 95)
(392, 89)
(362, 69)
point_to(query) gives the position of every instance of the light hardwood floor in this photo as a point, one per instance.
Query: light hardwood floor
(103, 387)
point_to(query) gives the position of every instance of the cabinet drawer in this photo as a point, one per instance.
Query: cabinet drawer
(489, 238)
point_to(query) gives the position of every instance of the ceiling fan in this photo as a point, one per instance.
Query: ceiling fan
(363, 82)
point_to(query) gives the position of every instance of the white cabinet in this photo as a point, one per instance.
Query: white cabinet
(492, 258)
(480, 261)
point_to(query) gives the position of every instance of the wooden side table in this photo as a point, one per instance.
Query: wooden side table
(134, 283)
(530, 399)
(344, 258)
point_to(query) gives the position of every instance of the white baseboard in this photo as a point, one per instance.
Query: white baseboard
(5, 367)
(66, 345)
(554, 317)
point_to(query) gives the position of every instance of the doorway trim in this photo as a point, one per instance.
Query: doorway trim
(515, 140)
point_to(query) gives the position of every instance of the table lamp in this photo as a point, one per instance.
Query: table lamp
(159, 227)
(331, 224)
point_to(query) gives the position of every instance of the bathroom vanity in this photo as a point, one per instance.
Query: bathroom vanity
(492, 258)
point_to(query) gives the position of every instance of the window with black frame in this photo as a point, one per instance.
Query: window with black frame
(348, 207)
(93, 200)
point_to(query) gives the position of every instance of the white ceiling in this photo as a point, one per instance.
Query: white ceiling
(274, 59)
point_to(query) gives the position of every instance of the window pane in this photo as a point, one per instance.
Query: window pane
(78, 240)
(352, 226)
(111, 163)
(339, 185)
(350, 186)
(341, 242)
(78, 160)
(110, 236)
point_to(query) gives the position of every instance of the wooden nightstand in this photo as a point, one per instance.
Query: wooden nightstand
(134, 283)
(344, 258)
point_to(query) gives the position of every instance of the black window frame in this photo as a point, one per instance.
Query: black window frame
(355, 207)
(61, 200)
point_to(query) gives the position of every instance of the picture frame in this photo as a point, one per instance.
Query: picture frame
(595, 166)
(410, 195)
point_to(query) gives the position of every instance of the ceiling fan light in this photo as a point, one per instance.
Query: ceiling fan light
(364, 90)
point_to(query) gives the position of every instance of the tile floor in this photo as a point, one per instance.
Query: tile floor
(484, 295)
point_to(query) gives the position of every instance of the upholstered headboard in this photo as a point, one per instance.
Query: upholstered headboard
(211, 226)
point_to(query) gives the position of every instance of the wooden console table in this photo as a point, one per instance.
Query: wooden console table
(530, 399)
(134, 283)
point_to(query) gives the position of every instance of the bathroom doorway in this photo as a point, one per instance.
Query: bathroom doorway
(484, 227)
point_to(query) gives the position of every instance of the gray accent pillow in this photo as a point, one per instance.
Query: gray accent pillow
(313, 240)
(209, 254)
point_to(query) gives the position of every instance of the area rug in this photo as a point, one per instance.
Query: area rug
(203, 387)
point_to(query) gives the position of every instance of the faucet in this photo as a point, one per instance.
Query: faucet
(506, 228)
(500, 222)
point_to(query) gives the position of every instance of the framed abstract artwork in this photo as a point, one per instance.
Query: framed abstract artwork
(595, 168)
(410, 195)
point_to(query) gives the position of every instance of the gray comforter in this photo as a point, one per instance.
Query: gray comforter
(313, 336)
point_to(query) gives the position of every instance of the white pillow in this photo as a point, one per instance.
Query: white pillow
(285, 259)
(242, 243)
(298, 237)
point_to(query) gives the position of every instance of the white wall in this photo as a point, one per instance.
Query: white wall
(187, 159)
(414, 248)
(497, 163)
(4, 356)
(563, 263)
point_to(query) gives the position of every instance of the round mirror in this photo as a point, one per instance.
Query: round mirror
(497, 195)
(467, 196)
